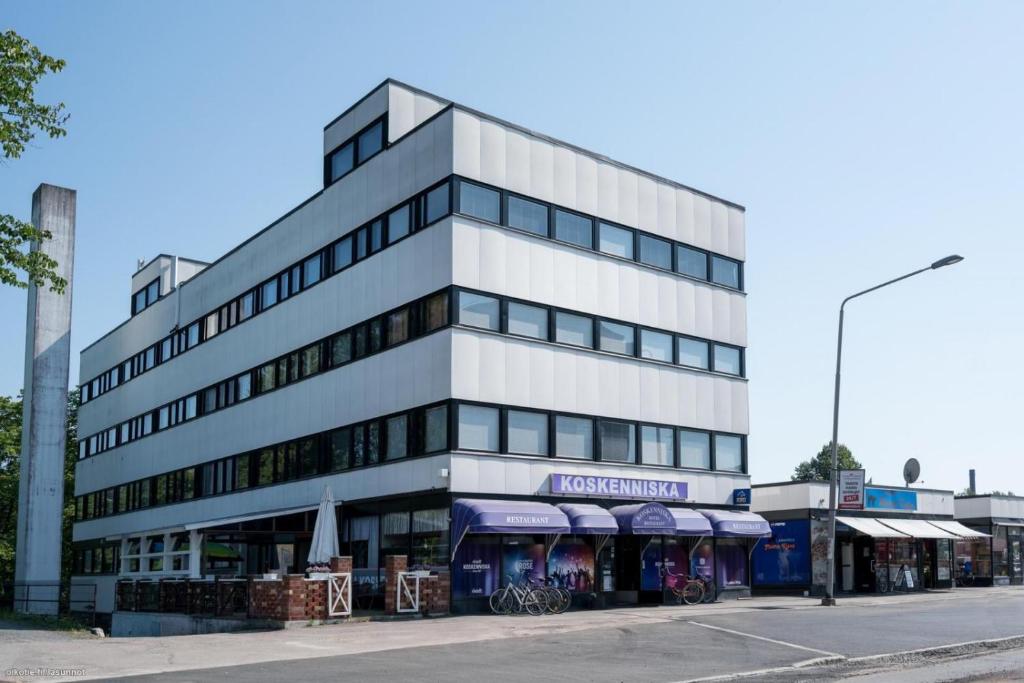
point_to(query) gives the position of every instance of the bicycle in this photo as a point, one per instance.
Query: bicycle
(690, 592)
(519, 596)
(559, 599)
(966, 579)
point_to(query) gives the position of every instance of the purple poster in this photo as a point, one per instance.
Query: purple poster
(571, 566)
(672, 556)
(732, 565)
(702, 562)
(476, 567)
(675, 563)
(520, 556)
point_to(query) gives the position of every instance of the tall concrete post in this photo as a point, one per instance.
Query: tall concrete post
(44, 416)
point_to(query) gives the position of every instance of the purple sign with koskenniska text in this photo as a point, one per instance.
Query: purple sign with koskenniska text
(617, 487)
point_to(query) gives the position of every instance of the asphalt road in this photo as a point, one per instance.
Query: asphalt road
(683, 649)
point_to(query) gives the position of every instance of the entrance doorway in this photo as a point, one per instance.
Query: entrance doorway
(846, 566)
(864, 564)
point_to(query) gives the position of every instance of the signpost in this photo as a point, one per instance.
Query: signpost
(851, 490)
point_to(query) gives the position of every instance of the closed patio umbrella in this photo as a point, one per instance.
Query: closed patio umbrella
(324, 545)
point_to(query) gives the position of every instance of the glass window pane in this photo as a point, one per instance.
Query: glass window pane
(341, 348)
(571, 227)
(616, 241)
(377, 234)
(693, 353)
(618, 441)
(728, 453)
(656, 345)
(397, 441)
(342, 161)
(574, 437)
(725, 272)
(692, 262)
(655, 252)
(527, 432)
(480, 202)
(694, 449)
(727, 359)
(371, 141)
(437, 204)
(526, 215)
(372, 443)
(478, 311)
(436, 311)
(310, 360)
(342, 254)
(574, 329)
(311, 271)
(339, 444)
(362, 243)
(245, 307)
(617, 338)
(398, 223)
(268, 295)
(244, 386)
(398, 326)
(657, 445)
(478, 428)
(527, 321)
(436, 429)
(211, 326)
(152, 292)
(139, 302)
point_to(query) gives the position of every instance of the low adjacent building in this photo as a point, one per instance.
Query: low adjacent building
(994, 561)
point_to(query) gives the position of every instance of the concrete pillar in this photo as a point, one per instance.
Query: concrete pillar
(44, 417)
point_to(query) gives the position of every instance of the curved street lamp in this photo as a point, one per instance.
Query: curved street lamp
(829, 598)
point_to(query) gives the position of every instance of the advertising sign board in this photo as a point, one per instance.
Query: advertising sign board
(851, 490)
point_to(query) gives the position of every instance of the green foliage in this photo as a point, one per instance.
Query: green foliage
(22, 65)
(996, 492)
(819, 468)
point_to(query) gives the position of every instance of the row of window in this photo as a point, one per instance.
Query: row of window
(412, 215)
(549, 220)
(354, 151)
(146, 297)
(412, 320)
(517, 431)
(96, 558)
(476, 427)
(526, 319)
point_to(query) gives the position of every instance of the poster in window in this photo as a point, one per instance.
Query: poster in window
(650, 566)
(732, 564)
(785, 558)
(674, 560)
(702, 561)
(519, 555)
(476, 567)
(571, 566)
(819, 552)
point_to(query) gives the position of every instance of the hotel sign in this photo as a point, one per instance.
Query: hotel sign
(617, 487)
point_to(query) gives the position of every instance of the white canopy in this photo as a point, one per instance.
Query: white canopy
(958, 529)
(870, 527)
(918, 528)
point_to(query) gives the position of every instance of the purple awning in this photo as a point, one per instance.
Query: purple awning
(585, 518)
(478, 516)
(737, 523)
(690, 522)
(644, 518)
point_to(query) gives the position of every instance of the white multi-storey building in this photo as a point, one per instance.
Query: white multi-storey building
(469, 321)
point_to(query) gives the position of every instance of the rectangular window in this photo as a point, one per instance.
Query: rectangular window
(527, 432)
(725, 271)
(265, 472)
(371, 141)
(362, 243)
(398, 327)
(436, 314)
(152, 292)
(284, 288)
(311, 360)
(372, 443)
(244, 386)
(376, 335)
(728, 453)
(476, 310)
(311, 271)
(479, 202)
(526, 215)
(242, 471)
(165, 350)
(268, 294)
(574, 437)
(617, 338)
(655, 252)
(618, 441)
(342, 254)
(164, 418)
(359, 342)
(295, 279)
(190, 407)
(150, 358)
(435, 429)
(398, 223)
(574, 329)
(478, 428)
(693, 353)
(193, 335)
(377, 236)
(616, 241)
(657, 445)
(573, 228)
(265, 377)
(139, 301)
(341, 349)
(212, 327)
(694, 449)
(340, 445)
(656, 345)
(727, 359)
(692, 262)
(527, 321)
(342, 161)
(307, 457)
(359, 446)
(245, 307)
(437, 204)
(397, 437)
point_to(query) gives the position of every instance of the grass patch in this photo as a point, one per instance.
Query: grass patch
(43, 622)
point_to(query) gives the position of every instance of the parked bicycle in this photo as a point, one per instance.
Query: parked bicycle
(518, 596)
(559, 599)
(690, 590)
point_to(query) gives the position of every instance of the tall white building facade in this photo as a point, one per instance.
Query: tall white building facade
(470, 319)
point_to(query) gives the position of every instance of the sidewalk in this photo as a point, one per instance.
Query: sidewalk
(111, 657)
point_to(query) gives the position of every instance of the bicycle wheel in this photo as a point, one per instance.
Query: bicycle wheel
(710, 591)
(499, 601)
(566, 600)
(693, 592)
(536, 602)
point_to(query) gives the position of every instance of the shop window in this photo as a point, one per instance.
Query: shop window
(656, 345)
(693, 353)
(397, 437)
(692, 262)
(476, 310)
(725, 271)
(398, 223)
(527, 321)
(524, 214)
(694, 449)
(574, 228)
(657, 445)
(477, 566)
(616, 338)
(655, 252)
(527, 432)
(731, 558)
(478, 428)
(394, 534)
(437, 204)
(429, 539)
(574, 329)
(727, 359)
(574, 437)
(479, 202)
(435, 429)
(616, 241)
(617, 441)
(728, 453)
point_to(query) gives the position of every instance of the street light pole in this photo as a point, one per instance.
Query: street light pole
(829, 598)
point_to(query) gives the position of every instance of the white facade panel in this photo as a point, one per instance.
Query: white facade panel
(408, 109)
(371, 107)
(814, 495)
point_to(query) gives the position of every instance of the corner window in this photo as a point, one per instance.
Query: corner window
(725, 272)
(692, 262)
(694, 449)
(657, 445)
(437, 204)
(617, 338)
(436, 312)
(617, 440)
(656, 345)
(728, 453)
(527, 432)
(526, 215)
(527, 321)
(397, 437)
(574, 329)
(573, 228)
(478, 428)
(371, 141)
(655, 252)
(311, 271)
(398, 223)
(616, 241)
(343, 254)
(727, 359)
(574, 437)
(342, 161)
(478, 311)
(435, 436)
(693, 353)
(479, 202)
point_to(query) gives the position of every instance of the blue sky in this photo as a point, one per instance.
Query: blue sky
(864, 140)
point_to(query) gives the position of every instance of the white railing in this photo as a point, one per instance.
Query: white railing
(339, 595)
(408, 599)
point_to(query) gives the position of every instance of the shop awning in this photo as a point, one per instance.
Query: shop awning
(870, 526)
(690, 522)
(958, 529)
(585, 518)
(644, 518)
(737, 523)
(918, 528)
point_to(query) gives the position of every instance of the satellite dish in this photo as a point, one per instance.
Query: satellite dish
(911, 471)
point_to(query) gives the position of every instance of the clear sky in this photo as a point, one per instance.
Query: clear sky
(865, 140)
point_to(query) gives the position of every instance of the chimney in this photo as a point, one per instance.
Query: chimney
(971, 489)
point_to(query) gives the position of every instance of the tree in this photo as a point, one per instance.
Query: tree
(819, 468)
(996, 492)
(22, 65)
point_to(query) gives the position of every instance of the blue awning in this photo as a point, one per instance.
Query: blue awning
(478, 516)
(644, 518)
(585, 518)
(690, 522)
(736, 523)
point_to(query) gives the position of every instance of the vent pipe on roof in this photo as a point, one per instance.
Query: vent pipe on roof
(971, 487)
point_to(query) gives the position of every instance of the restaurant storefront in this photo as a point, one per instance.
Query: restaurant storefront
(996, 559)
